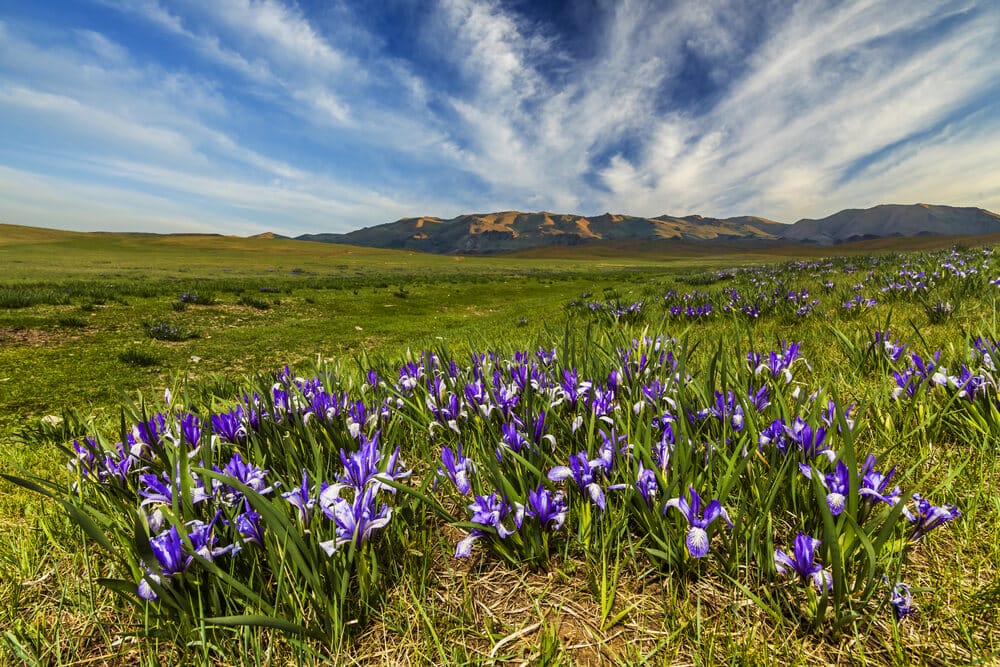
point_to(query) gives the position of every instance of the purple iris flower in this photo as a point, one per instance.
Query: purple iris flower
(409, 376)
(477, 397)
(161, 489)
(906, 381)
(512, 438)
(573, 389)
(230, 425)
(613, 380)
(829, 416)
(85, 456)
(837, 483)
(249, 527)
(928, 516)
(446, 411)
(203, 539)
(803, 562)
(168, 549)
(609, 450)
(654, 391)
(546, 357)
(759, 398)
(153, 430)
(901, 600)
(647, 484)
(581, 470)
(603, 402)
(355, 521)
(777, 364)
(519, 374)
(358, 418)
(874, 483)
(808, 440)
(506, 399)
(117, 465)
(538, 433)
(325, 405)
(726, 408)
(775, 434)
(490, 511)
(191, 429)
(245, 473)
(892, 349)
(493, 510)
(697, 539)
(967, 384)
(362, 466)
(925, 369)
(548, 507)
(171, 556)
(302, 498)
(457, 468)
(664, 447)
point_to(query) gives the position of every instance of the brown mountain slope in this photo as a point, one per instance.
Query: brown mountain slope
(894, 220)
(514, 230)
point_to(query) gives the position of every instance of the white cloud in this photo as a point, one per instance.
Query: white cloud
(284, 32)
(209, 46)
(103, 47)
(39, 200)
(93, 126)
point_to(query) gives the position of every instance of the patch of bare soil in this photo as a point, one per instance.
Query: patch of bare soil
(493, 614)
(35, 337)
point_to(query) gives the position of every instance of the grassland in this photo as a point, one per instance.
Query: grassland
(76, 314)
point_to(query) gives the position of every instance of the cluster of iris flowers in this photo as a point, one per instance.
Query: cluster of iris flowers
(519, 472)
(757, 291)
(194, 516)
(530, 447)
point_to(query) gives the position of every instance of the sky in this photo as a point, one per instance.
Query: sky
(245, 116)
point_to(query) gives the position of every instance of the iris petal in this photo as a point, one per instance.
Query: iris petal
(697, 542)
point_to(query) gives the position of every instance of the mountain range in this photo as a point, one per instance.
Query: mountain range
(487, 233)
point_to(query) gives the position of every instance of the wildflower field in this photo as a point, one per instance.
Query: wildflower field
(384, 458)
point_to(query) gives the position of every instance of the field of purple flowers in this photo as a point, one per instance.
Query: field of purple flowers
(823, 483)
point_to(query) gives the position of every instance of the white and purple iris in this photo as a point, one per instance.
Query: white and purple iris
(174, 556)
(837, 484)
(927, 516)
(581, 470)
(490, 512)
(698, 539)
(457, 468)
(548, 507)
(354, 521)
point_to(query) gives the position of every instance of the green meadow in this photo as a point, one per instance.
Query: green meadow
(95, 327)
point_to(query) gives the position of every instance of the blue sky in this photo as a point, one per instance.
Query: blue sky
(243, 116)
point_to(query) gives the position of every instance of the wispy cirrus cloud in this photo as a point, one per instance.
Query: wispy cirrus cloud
(825, 92)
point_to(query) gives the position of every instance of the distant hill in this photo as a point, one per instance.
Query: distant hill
(485, 233)
(514, 231)
(894, 220)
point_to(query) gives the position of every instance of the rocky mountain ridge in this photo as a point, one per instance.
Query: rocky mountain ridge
(506, 231)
